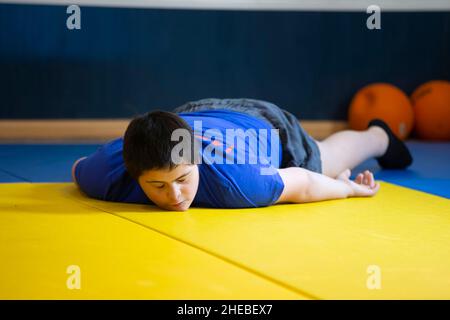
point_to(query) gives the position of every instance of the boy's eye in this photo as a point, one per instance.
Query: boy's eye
(181, 180)
(161, 186)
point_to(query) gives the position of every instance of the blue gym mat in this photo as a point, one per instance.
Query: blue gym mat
(430, 171)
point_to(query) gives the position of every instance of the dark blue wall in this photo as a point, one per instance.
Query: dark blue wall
(127, 61)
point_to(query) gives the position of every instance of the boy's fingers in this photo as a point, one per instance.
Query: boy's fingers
(366, 191)
(359, 178)
(348, 173)
(345, 174)
(376, 188)
(369, 179)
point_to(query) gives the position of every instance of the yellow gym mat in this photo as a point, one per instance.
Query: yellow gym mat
(394, 245)
(52, 247)
(391, 246)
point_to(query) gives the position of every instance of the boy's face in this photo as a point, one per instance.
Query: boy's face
(171, 189)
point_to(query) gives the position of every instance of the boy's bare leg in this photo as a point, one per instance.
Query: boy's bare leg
(349, 148)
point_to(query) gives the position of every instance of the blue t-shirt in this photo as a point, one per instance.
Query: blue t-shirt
(245, 183)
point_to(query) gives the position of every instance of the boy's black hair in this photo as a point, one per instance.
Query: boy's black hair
(147, 142)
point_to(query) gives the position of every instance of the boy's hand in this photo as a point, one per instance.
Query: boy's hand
(364, 184)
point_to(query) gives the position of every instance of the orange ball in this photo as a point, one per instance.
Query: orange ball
(383, 101)
(431, 105)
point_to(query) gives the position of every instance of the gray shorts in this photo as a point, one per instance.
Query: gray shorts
(298, 147)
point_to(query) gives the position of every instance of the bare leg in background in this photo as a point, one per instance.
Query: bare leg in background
(349, 148)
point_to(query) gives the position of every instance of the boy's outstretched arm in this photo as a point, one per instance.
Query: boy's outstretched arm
(302, 185)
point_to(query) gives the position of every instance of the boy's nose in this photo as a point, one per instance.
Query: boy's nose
(174, 194)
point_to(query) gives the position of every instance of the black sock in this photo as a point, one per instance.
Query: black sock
(397, 155)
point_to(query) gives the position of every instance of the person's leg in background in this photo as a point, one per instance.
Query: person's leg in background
(349, 148)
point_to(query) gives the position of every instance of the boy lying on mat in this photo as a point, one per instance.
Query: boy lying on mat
(233, 153)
